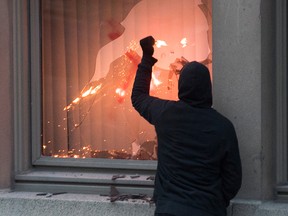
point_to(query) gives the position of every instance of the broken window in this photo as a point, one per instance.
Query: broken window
(90, 52)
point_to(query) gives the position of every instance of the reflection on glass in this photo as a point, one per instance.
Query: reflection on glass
(90, 53)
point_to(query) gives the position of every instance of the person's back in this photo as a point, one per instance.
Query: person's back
(199, 168)
(191, 145)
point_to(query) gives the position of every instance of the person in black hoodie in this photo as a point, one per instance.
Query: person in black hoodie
(199, 166)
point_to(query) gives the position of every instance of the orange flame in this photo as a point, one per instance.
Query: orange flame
(90, 91)
(86, 93)
(75, 101)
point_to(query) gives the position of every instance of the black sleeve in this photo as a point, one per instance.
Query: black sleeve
(148, 107)
(231, 167)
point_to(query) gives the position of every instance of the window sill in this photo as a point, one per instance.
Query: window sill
(84, 181)
(28, 203)
(69, 204)
(282, 192)
(97, 163)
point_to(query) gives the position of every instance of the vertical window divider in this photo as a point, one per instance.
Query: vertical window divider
(281, 91)
(21, 86)
(35, 78)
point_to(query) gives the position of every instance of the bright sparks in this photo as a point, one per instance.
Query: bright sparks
(160, 43)
(155, 81)
(91, 91)
(86, 93)
(184, 42)
(120, 92)
(76, 100)
(95, 90)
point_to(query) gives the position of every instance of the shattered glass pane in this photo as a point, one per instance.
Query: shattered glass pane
(90, 53)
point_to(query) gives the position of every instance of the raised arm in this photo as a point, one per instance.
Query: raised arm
(149, 107)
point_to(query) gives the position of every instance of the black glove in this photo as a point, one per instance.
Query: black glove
(147, 46)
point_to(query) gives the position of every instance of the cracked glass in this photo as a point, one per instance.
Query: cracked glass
(90, 52)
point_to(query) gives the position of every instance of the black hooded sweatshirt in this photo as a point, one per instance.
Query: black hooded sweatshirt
(199, 167)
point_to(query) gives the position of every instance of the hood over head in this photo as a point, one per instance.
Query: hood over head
(194, 86)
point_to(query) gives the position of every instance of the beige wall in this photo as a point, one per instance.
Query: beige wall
(243, 75)
(6, 95)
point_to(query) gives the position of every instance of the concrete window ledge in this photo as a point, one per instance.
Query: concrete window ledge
(240, 207)
(29, 204)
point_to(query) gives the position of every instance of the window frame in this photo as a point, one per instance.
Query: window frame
(34, 172)
(36, 110)
(281, 99)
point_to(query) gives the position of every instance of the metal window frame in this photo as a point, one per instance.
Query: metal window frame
(281, 99)
(34, 172)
